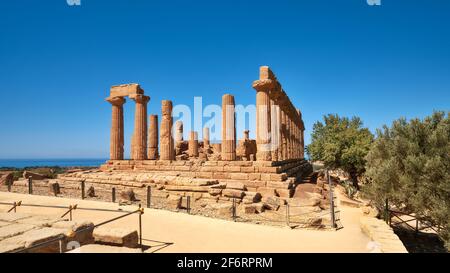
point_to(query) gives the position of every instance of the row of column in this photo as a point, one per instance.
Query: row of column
(279, 126)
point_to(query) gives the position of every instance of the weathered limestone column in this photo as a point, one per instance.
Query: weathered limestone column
(275, 130)
(193, 144)
(139, 145)
(292, 139)
(152, 152)
(206, 141)
(178, 131)
(228, 128)
(178, 137)
(166, 139)
(288, 137)
(263, 125)
(117, 138)
(301, 135)
(283, 135)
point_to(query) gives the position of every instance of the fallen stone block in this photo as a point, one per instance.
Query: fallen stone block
(225, 210)
(116, 237)
(235, 186)
(249, 209)
(215, 192)
(272, 202)
(35, 237)
(79, 231)
(309, 202)
(174, 202)
(233, 193)
(266, 192)
(255, 197)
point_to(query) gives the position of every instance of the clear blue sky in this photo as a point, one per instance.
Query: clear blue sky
(58, 62)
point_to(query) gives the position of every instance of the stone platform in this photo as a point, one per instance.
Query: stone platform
(212, 179)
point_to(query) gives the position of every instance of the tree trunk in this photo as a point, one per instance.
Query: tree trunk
(354, 178)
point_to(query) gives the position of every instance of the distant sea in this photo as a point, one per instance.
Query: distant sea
(22, 163)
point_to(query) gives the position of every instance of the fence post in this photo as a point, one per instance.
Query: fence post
(189, 205)
(149, 196)
(30, 185)
(417, 225)
(113, 195)
(82, 190)
(9, 186)
(333, 220)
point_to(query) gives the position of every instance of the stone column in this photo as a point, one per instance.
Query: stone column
(301, 131)
(166, 139)
(292, 139)
(206, 141)
(117, 138)
(263, 117)
(283, 135)
(193, 144)
(178, 131)
(302, 151)
(288, 137)
(228, 128)
(275, 130)
(152, 152)
(178, 137)
(139, 144)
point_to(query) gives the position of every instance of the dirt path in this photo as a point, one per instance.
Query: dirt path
(190, 233)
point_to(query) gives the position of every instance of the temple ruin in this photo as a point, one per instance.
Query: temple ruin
(257, 172)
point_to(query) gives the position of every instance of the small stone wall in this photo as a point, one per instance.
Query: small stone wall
(385, 240)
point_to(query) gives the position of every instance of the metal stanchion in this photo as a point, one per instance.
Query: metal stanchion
(149, 196)
(82, 189)
(188, 205)
(30, 185)
(113, 195)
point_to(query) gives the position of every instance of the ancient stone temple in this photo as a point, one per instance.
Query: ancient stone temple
(250, 170)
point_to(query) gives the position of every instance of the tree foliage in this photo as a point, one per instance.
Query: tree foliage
(409, 164)
(341, 143)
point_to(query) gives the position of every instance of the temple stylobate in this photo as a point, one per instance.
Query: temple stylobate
(279, 128)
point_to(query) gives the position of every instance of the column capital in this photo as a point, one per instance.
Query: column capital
(140, 98)
(117, 101)
(263, 85)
